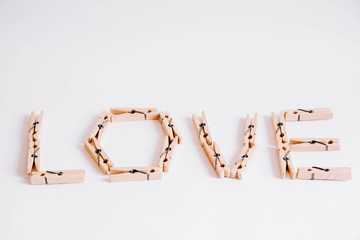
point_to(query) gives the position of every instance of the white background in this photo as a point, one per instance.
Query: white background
(74, 59)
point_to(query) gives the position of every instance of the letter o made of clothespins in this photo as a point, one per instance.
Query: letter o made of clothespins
(121, 174)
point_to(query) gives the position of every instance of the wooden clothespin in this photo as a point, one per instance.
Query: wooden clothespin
(100, 126)
(124, 174)
(133, 114)
(169, 127)
(93, 147)
(308, 114)
(243, 162)
(172, 139)
(217, 159)
(167, 153)
(33, 157)
(317, 173)
(211, 148)
(284, 157)
(99, 155)
(314, 144)
(33, 160)
(202, 128)
(248, 149)
(58, 177)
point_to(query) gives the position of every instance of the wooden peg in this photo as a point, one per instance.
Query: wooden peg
(221, 159)
(167, 153)
(164, 120)
(33, 158)
(316, 173)
(286, 162)
(216, 159)
(279, 130)
(57, 177)
(314, 144)
(243, 162)
(104, 155)
(202, 129)
(100, 126)
(125, 174)
(308, 114)
(201, 137)
(240, 158)
(250, 130)
(169, 127)
(98, 156)
(133, 114)
(249, 146)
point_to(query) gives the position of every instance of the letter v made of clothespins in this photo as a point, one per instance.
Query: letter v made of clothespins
(213, 151)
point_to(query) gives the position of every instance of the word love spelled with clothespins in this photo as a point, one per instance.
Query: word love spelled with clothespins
(122, 174)
(38, 177)
(284, 145)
